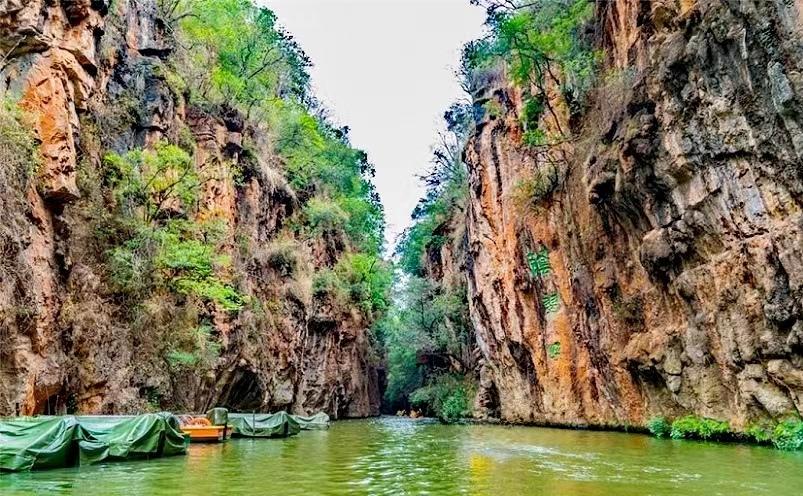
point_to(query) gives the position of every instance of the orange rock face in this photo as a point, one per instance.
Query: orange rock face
(93, 81)
(673, 237)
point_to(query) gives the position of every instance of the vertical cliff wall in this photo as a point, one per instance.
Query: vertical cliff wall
(93, 77)
(663, 274)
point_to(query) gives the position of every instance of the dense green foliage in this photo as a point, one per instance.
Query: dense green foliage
(540, 41)
(447, 396)
(784, 435)
(156, 243)
(788, 435)
(253, 60)
(693, 427)
(659, 427)
(426, 334)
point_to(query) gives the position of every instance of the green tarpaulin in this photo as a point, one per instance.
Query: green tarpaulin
(51, 442)
(315, 422)
(47, 442)
(218, 416)
(263, 425)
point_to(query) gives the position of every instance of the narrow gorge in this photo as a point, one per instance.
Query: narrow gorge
(612, 230)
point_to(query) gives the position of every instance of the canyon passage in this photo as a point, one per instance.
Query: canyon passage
(609, 238)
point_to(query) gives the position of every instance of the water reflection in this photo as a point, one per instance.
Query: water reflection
(401, 456)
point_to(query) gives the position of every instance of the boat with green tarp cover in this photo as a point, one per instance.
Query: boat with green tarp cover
(30, 443)
(279, 424)
(319, 421)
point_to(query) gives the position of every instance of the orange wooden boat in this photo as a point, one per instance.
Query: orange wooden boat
(205, 433)
(200, 430)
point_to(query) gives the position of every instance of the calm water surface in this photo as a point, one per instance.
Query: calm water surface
(400, 456)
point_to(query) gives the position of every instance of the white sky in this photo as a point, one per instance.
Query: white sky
(385, 68)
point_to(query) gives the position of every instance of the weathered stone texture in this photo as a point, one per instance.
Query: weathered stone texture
(92, 71)
(675, 237)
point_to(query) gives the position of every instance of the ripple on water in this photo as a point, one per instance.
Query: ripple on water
(399, 456)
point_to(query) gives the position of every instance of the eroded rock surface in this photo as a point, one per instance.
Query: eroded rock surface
(675, 236)
(90, 73)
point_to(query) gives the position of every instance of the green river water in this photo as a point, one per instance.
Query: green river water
(391, 455)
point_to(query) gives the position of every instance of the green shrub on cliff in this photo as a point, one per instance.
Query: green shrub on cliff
(326, 283)
(535, 188)
(539, 41)
(367, 280)
(190, 268)
(282, 256)
(194, 348)
(324, 215)
(19, 153)
(693, 427)
(178, 256)
(788, 435)
(659, 427)
(160, 245)
(359, 280)
(153, 184)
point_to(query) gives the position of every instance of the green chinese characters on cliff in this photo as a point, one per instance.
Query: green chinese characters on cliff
(539, 263)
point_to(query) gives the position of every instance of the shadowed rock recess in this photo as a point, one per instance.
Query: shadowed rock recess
(93, 76)
(665, 271)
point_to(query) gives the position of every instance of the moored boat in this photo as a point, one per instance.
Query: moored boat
(205, 433)
(203, 429)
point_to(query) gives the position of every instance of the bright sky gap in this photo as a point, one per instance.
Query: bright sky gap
(385, 68)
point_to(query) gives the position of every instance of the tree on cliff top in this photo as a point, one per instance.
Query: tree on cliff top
(255, 59)
(541, 43)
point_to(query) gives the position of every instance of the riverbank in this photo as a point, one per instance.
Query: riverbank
(785, 435)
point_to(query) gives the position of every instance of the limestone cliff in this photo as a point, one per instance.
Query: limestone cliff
(92, 75)
(663, 274)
